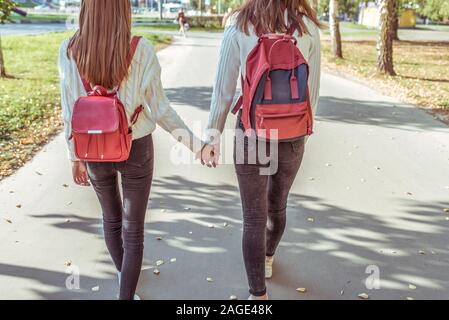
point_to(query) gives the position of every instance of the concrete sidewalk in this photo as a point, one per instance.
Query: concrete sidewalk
(375, 181)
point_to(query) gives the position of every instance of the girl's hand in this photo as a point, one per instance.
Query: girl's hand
(79, 172)
(210, 155)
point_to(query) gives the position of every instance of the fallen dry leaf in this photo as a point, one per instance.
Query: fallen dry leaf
(18, 206)
(363, 296)
(67, 220)
(159, 263)
(158, 238)
(26, 141)
(156, 272)
(38, 173)
(65, 185)
(69, 203)
(422, 252)
(301, 290)
(68, 263)
(209, 279)
(211, 226)
(225, 224)
(412, 286)
(7, 220)
(446, 210)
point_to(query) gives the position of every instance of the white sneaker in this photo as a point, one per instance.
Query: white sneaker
(269, 267)
(119, 274)
(136, 297)
(264, 297)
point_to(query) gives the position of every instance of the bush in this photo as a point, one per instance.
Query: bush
(208, 22)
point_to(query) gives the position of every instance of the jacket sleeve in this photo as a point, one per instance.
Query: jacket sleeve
(157, 102)
(225, 83)
(67, 99)
(314, 68)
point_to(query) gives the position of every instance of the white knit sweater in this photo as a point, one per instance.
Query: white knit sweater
(235, 48)
(142, 87)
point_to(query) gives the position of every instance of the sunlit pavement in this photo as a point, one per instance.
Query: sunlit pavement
(370, 197)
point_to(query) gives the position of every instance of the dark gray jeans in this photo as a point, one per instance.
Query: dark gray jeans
(264, 202)
(124, 221)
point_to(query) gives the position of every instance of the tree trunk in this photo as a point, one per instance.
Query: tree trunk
(335, 29)
(161, 9)
(396, 21)
(385, 40)
(2, 62)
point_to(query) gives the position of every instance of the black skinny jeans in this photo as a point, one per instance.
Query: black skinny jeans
(123, 222)
(264, 202)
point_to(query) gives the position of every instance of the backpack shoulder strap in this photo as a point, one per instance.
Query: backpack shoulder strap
(291, 30)
(134, 43)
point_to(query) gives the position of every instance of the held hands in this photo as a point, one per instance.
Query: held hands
(209, 155)
(79, 172)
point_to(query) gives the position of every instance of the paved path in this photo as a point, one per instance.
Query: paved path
(374, 179)
(31, 28)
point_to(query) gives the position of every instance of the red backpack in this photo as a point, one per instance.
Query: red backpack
(100, 129)
(275, 90)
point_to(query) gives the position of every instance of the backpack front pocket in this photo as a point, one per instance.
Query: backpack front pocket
(282, 121)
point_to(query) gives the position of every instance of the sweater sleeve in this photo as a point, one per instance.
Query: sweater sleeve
(314, 68)
(225, 85)
(67, 99)
(158, 104)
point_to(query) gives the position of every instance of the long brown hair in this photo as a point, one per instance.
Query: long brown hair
(268, 16)
(101, 45)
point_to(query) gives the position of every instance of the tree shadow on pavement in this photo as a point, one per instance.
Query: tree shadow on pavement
(324, 255)
(198, 97)
(195, 229)
(53, 283)
(376, 113)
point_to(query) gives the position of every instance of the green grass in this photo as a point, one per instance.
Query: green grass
(422, 70)
(356, 35)
(41, 17)
(349, 25)
(29, 100)
(353, 25)
(433, 27)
